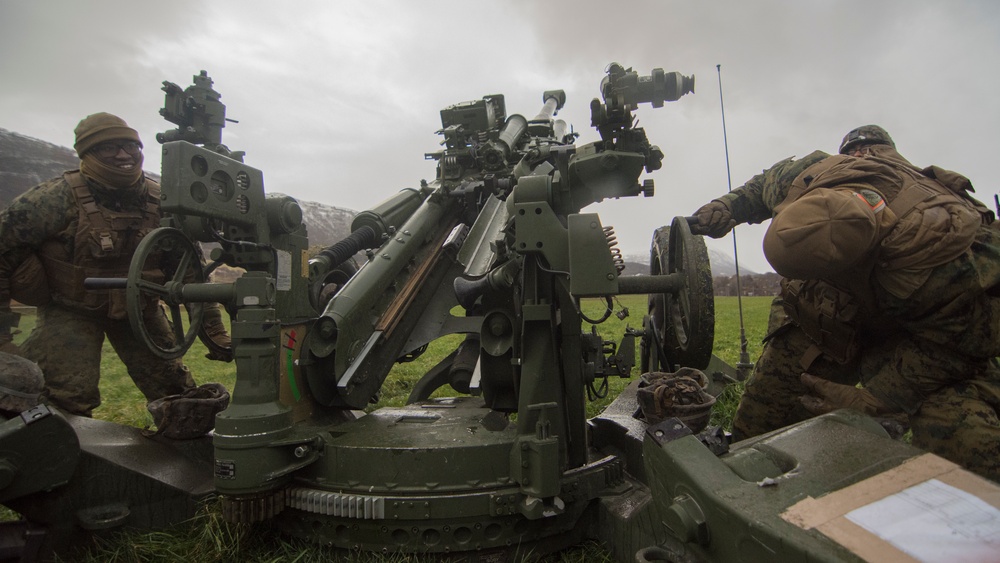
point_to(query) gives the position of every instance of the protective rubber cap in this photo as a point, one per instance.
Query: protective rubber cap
(823, 233)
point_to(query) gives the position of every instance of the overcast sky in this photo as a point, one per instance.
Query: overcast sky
(338, 101)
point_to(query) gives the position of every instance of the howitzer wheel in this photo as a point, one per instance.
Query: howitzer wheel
(167, 251)
(681, 326)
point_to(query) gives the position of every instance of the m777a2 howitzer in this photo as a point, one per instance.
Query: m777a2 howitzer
(495, 249)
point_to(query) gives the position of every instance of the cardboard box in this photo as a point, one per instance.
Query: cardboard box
(926, 509)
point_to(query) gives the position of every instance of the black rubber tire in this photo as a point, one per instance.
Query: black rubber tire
(684, 321)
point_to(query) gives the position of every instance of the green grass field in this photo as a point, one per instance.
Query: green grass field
(207, 538)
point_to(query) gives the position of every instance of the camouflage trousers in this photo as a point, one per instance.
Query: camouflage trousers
(66, 345)
(771, 397)
(957, 419)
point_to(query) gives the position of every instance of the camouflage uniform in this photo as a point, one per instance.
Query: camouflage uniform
(67, 339)
(754, 202)
(926, 353)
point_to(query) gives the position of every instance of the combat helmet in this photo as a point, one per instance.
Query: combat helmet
(865, 135)
(21, 383)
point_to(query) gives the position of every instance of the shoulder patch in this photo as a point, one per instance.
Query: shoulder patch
(873, 199)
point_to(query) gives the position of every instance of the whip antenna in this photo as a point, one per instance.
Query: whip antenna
(744, 364)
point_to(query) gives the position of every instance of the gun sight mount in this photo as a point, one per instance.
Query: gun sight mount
(198, 113)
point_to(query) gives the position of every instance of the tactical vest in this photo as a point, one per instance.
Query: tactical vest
(930, 223)
(933, 219)
(104, 243)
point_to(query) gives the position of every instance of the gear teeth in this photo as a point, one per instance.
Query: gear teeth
(249, 509)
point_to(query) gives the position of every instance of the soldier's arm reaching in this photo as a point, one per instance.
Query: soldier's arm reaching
(754, 201)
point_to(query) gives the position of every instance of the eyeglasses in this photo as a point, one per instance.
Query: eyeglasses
(107, 150)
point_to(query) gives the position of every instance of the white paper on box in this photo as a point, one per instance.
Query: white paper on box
(934, 521)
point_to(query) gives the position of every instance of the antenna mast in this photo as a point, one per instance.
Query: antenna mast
(744, 365)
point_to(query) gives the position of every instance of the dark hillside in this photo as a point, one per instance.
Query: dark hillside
(26, 162)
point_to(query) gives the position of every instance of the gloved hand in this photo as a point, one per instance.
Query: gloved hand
(715, 219)
(826, 396)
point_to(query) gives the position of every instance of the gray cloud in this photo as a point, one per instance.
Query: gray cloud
(338, 101)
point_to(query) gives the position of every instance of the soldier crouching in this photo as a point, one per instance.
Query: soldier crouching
(892, 280)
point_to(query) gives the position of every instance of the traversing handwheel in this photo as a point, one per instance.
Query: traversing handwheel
(163, 262)
(683, 322)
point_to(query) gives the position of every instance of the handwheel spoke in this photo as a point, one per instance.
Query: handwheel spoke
(165, 243)
(176, 322)
(151, 287)
(182, 267)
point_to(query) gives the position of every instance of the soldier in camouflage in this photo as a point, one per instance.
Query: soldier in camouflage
(891, 272)
(87, 223)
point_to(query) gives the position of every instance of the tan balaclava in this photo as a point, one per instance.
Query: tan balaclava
(99, 128)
